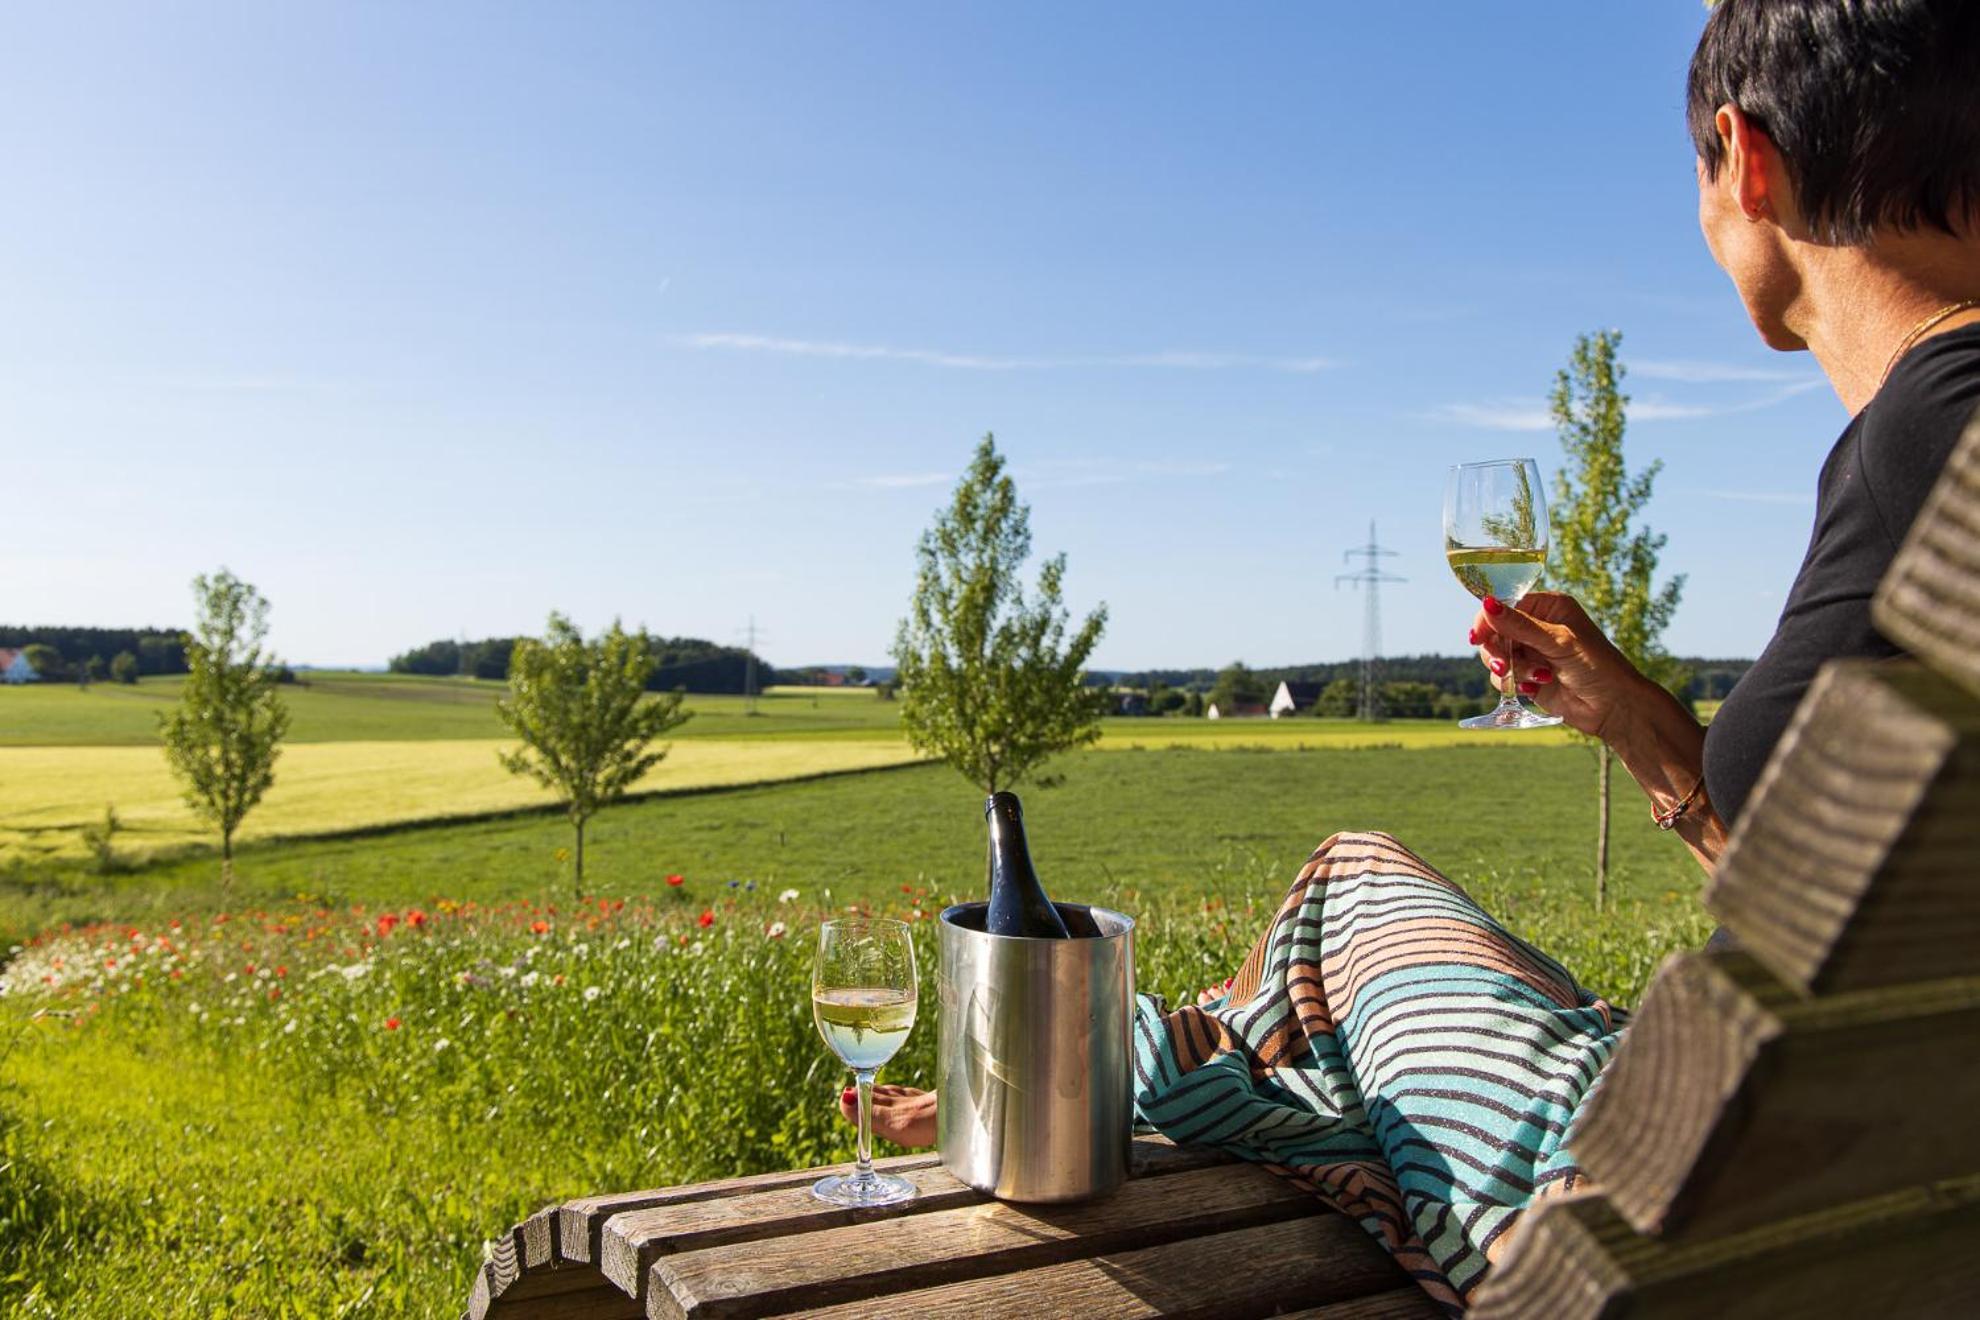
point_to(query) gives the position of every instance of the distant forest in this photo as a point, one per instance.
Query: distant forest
(1459, 675)
(158, 650)
(689, 662)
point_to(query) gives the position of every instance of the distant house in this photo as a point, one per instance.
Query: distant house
(1291, 698)
(14, 667)
(1243, 710)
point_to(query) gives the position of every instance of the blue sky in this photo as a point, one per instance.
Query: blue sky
(430, 319)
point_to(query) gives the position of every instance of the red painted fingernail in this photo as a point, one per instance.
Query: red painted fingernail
(850, 1094)
(1528, 688)
(1472, 637)
(1492, 605)
(1228, 980)
(1498, 667)
(1543, 675)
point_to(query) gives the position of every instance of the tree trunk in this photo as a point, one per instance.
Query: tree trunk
(1602, 827)
(226, 859)
(577, 879)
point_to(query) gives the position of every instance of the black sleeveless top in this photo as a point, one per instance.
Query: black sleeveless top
(1881, 469)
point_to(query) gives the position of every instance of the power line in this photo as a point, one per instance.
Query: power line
(1370, 576)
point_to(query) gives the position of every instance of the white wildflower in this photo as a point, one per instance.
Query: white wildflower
(788, 896)
(289, 1027)
(591, 992)
(777, 930)
(529, 979)
(440, 1046)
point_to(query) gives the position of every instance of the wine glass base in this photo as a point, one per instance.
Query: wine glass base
(851, 1189)
(1511, 717)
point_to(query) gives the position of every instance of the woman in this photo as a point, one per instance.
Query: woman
(1387, 1044)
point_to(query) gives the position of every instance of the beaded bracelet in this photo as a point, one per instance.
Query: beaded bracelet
(1667, 820)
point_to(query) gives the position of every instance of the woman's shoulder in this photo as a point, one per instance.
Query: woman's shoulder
(1908, 431)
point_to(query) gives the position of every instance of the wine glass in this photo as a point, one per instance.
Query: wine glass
(863, 999)
(1495, 536)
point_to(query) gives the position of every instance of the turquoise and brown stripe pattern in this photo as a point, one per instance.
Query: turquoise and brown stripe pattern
(1390, 1047)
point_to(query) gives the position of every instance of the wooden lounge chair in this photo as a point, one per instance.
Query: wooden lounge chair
(1789, 1130)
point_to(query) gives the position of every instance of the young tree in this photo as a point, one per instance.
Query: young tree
(223, 738)
(1601, 554)
(989, 679)
(1237, 686)
(581, 713)
(45, 660)
(124, 668)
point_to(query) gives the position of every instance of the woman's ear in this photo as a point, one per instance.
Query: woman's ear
(1751, 167)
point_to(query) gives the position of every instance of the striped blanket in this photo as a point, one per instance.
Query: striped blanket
(1394, 1050)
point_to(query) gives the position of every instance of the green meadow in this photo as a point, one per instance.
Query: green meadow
(318, 1092)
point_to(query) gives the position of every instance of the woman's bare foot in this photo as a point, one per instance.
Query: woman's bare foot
(901, 1114)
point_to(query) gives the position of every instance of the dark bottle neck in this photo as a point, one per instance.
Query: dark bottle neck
(1008, 850)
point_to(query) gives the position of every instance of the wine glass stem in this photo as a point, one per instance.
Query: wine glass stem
(863, 1169)
(1507, 701)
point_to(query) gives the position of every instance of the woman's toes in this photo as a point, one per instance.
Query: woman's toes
(904, 1115)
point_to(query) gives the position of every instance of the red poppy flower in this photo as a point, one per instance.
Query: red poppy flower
(676, 880)
(707, 918)
(538, 927)
(415, 918)
(391, 1024)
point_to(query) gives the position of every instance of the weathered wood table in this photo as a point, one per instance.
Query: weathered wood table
(1191, 1234)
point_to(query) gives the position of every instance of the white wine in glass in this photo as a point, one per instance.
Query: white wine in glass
(863, 1000)
(1495, 537)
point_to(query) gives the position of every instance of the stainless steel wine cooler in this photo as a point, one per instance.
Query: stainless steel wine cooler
(1035, 1061)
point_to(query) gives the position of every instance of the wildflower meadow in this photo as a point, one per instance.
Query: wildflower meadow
(299, 1109)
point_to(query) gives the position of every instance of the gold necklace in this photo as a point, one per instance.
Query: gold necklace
(1910, 341)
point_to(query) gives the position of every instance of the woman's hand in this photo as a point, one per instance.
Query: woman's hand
(1559, 657)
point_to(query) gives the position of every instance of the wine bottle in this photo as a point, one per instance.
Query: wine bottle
(1018, 905)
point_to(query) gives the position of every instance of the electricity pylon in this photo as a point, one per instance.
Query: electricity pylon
(1371, 577)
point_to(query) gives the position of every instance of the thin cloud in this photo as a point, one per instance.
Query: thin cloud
(903, 480)
(1709, 373)
(239, 384)
(1499, 415)
(825, 348)
(1061, 473)
(1758, 496)
(1534, 414)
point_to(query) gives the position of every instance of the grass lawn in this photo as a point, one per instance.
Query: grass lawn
(318, 1094)
(1153, 821)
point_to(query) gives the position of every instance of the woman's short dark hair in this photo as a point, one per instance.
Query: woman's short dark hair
(1874, 105)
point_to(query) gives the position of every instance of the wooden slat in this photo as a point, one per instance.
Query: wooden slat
(1733, 1101)
(508, 1289)
(1929, 600)
(1410, 1303)
(579, 1221)
(1907, 1254)
(895, 1253)
(629, 1242)
(1854, 865)
(1245, 1272)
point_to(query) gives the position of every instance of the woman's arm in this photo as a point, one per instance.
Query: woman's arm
(1558, 655)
